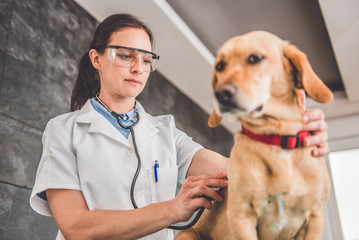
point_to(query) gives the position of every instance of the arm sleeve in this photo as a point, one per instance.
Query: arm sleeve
(186, 149)
(57, 168)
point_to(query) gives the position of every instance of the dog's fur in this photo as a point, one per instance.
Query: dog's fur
(273, 193)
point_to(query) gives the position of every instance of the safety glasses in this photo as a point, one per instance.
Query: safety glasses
(128, 57)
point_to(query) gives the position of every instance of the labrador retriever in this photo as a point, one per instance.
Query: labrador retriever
(276, 189)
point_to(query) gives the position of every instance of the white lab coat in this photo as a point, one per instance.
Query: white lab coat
(82, 150)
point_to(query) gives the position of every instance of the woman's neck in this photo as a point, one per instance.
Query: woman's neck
(118, 104)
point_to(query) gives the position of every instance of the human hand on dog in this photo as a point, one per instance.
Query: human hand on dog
(195, 193)
(314, 120)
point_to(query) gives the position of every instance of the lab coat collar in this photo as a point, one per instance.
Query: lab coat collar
(146, 127)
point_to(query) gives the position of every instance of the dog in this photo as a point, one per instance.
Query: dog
(276, 189)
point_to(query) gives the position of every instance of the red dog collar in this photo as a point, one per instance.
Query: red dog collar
(285, 141)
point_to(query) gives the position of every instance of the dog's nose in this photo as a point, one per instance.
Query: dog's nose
(225, 93)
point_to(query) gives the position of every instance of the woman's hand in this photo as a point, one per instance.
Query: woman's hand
(314, 122)
(195, 193)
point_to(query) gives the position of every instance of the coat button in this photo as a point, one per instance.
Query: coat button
(131, 153)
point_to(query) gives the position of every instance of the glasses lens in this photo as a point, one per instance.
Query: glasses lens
(154, 63)
(128, 58)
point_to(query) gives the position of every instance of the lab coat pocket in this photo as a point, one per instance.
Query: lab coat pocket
(165, 187)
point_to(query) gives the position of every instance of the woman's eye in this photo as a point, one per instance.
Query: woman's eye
(125, 57)
(147, 61)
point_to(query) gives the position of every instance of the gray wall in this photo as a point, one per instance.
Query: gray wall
(40, 45)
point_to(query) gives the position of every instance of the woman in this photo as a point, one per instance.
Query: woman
(88, 161)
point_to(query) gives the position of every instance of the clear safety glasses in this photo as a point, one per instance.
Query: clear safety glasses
(128, 57)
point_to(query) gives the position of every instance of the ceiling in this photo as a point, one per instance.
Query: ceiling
(189, 32)
(299, 21)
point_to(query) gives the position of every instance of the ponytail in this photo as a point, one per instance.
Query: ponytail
(87, 84)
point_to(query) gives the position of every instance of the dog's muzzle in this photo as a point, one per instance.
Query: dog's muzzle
(225, 95)
(226, 98)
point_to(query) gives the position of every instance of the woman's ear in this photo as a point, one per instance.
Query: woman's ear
(95, 59)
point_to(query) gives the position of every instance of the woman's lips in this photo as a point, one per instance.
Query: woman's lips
(133, 81)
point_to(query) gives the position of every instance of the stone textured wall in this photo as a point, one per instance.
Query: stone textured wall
(41, 43)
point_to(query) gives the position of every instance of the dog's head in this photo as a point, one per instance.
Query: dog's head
(258, 74)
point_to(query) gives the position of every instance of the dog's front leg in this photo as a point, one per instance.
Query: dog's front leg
(315, 226)
(313, 230)
(242, 225)
(188, 234)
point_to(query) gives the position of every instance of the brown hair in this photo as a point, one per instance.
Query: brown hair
(87, 83)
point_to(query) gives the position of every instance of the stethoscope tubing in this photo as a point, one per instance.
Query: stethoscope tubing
(139, 163)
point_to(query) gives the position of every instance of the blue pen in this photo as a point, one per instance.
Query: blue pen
(155, 167)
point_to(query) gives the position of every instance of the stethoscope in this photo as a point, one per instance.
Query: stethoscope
(136, 119)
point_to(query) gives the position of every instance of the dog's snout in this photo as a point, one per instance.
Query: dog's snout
(225, 93)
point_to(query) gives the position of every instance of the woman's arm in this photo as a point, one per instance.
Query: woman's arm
(207, 162)
(77, 222)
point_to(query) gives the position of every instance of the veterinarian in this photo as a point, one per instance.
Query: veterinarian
(85, 178)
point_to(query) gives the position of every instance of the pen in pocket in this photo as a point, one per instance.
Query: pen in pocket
(155, 168)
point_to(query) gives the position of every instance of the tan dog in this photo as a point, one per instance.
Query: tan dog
(275, 192)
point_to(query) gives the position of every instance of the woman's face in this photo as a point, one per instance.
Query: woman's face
(124, 82)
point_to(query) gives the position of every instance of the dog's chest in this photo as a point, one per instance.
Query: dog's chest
(276, 184)
(281, 216)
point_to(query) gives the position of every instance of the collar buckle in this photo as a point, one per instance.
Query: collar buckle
(290, 141)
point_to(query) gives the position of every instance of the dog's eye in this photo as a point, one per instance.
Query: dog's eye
(254, 58)
(220, 66)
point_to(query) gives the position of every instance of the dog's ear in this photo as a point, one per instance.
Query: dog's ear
(307, 78)
(214, 119)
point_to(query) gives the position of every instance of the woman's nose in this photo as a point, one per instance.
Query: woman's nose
(137, 66)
